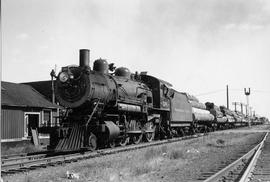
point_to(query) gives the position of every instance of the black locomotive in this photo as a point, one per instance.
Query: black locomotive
(107, 107)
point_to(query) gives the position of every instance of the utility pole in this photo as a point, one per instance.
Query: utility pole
(234, 103)
(247, 93)
(52, 85)
(0, 94)
(227, 89)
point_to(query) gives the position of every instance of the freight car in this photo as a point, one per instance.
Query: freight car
(107, 107)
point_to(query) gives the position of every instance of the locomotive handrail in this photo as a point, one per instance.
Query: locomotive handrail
(116, 85)
(93, 112)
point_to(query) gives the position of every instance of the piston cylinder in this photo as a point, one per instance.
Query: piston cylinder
(112, 130)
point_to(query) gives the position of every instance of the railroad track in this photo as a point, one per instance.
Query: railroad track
(243, 168)
(259, 168)
(25, 163)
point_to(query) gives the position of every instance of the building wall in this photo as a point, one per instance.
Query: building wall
(12, 123)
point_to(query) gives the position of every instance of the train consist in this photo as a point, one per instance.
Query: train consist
(107, 107)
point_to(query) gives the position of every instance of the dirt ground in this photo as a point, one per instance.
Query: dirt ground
(181, 161)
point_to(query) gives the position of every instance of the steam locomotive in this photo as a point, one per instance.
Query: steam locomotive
(108, 106)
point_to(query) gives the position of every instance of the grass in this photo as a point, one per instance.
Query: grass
(155, 152)
(142, 165)
(141, 169)
(18, 149)
(220, 142)
(217, 143)
(163, 151)
(154, 157)
(176, 154)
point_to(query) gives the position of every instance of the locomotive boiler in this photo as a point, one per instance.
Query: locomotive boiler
(101, 107)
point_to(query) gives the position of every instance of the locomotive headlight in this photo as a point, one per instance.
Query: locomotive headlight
(63, 77)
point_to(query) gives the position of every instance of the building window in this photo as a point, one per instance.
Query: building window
(47, 118)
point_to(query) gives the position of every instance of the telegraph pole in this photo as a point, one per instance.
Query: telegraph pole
(52, 85)
(234, 103)
(227, 89)
(1, 91)
(247, 93)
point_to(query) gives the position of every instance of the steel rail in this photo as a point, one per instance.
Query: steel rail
(248, 172)
(217, 176)
(24, 154)
(20, 159)
(50, 161)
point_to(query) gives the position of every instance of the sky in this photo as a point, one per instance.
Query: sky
(199, 46)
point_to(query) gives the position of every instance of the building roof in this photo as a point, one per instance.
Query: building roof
(43, 87)
(13, 94)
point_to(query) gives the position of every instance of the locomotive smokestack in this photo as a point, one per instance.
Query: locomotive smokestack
(84, 57)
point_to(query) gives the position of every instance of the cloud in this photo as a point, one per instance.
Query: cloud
(22, 36)
(206, 16)
(243, 27)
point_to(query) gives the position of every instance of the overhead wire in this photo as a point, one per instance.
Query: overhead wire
(258, 91)
(211, 92)
(223, 90)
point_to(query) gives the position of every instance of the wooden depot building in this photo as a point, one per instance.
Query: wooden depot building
(24, 108)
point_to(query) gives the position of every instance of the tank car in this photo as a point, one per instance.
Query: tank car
(102, 108)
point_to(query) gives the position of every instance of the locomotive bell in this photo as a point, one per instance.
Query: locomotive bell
(123, 72)
(101, 66)
(84, 57)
